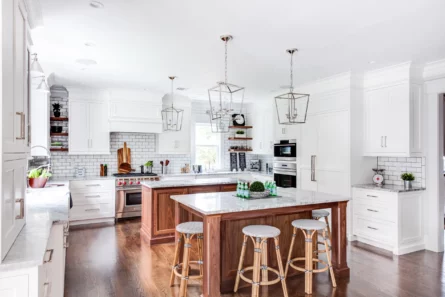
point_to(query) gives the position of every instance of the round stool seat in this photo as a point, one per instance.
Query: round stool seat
(309, 224)
(190, 228)
(320, 213)
(262, 231)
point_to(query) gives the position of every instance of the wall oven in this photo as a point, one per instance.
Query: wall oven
(285, 150)
(128, 203)
(285, 174)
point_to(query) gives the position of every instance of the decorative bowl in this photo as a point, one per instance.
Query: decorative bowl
(256, 195)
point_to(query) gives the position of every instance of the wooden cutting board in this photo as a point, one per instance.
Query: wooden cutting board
(120, 157)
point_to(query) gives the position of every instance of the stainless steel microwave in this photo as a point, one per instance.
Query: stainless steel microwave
(285, 150)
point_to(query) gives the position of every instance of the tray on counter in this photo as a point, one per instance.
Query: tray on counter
(250, 198)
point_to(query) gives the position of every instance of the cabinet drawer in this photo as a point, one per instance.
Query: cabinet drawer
(382, 197)
(372, 210)
(92, 198)
(92, 186)
(92, 211)
(374, 229)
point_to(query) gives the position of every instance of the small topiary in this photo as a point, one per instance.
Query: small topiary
(257, 187)
(408, 176)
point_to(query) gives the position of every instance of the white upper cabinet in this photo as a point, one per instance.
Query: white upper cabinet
(15, 61)
(134, 111)
(393, 113)
(262, 119)
(88, 127)
(176, 142)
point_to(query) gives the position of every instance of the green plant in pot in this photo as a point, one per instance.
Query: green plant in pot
(149, 166)
(257, 190)
(240, 133)
(38, 177)
(56, 109)
(408, 178)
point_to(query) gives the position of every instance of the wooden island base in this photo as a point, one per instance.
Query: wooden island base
(158, 210)
(232, 239)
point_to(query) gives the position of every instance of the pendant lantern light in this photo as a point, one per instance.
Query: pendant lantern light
(219, 125)
(36, 68)
(43, 86)
(292, 107)
(224, 95)
(172, 116)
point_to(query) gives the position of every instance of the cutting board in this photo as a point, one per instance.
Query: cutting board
(120, 156)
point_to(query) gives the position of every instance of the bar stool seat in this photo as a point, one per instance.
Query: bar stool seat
(190, 228)
(262, 231)
(259, 235)
(319, 213)
(186, 232)
(309, 228)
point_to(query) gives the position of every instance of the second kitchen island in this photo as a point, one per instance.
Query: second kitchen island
(158, 210)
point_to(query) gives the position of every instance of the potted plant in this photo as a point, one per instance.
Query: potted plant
(56, 109)
(38, 177)
(257, 190)
(149, 166)
(240, 134)
(408, 178)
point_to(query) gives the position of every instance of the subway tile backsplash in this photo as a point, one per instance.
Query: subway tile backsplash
(142, 145)
(395, 166)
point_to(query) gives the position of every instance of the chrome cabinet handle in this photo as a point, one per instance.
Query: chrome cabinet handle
(92, 209)
(22, 208)
(385, 141)
(22, 125)
(381, 141)
(47, 290)
(372, 228)
(372, 210)
(313, 168)
(92, 196)
(51, 252)
(372, 196)
(93, 185)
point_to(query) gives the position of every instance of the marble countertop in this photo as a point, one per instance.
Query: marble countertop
(388, 188)
(189, 183)
(60, 179)
(216, 173)
(226, 202)
(44, 207)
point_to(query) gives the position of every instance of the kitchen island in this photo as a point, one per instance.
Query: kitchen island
(225, 215)
(158, 210)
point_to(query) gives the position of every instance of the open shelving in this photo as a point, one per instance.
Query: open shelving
(62, 149)
(58, 119)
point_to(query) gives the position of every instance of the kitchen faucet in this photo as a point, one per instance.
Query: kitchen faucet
(49, 155)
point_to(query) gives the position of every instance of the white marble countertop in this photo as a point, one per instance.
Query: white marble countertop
(226, 202)
(189, 182)
(59, 179)
(388, 188)
(216, 173)
(44, 207)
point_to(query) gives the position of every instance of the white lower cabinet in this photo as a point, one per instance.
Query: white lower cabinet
(388, 220)
(46, 280)
(93, 201)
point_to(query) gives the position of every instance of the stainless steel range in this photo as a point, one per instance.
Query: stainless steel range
(129, 193)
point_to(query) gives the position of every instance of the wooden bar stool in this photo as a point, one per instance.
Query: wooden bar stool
(187, 232)
(309, 228)
(319, 214)
(259, 235)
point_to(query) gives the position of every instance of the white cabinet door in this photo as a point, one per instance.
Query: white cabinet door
(56, 265)
(16, 286)
(15, 79)
(12, 202)
(99, 140)
(257, 130)
(376, 108)
(308, 146)
(397, 120)
(79, 140)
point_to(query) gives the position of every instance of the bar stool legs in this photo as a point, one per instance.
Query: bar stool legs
(185, 267)
(259, 235)
(328, 256)
(176, 260)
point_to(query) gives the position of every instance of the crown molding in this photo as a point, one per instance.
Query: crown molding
(434, 70)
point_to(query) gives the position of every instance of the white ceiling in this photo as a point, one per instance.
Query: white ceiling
(141, 42)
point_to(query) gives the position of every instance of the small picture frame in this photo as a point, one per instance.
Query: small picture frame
(238, 121)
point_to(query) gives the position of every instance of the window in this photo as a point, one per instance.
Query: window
(207, 147)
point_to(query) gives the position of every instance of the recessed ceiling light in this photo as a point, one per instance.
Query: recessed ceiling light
(96, 4)
(89, 43)
(371, 62)
(86, 62)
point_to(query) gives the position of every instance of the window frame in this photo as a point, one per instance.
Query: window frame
(220, 157)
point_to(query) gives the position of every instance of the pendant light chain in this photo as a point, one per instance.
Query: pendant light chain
(225, 61)
(291, 72)
(173, 96)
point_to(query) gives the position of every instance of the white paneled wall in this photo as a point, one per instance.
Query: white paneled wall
(142, 147)
(394, 167)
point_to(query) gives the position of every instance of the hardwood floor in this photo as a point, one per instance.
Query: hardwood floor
(109, 261)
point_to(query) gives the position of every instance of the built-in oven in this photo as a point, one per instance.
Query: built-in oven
(128, 202)
(285, 150)
(285, 174)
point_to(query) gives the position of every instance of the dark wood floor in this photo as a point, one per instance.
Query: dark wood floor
(109, 261)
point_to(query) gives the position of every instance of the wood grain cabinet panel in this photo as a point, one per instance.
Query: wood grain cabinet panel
(204, 189)
(228, 188)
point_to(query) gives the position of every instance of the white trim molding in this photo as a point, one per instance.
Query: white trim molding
(434, 70)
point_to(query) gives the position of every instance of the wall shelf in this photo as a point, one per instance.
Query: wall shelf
(60, 119)
(59, 134)
(62, 149)
(240, 127)
(240, 138)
